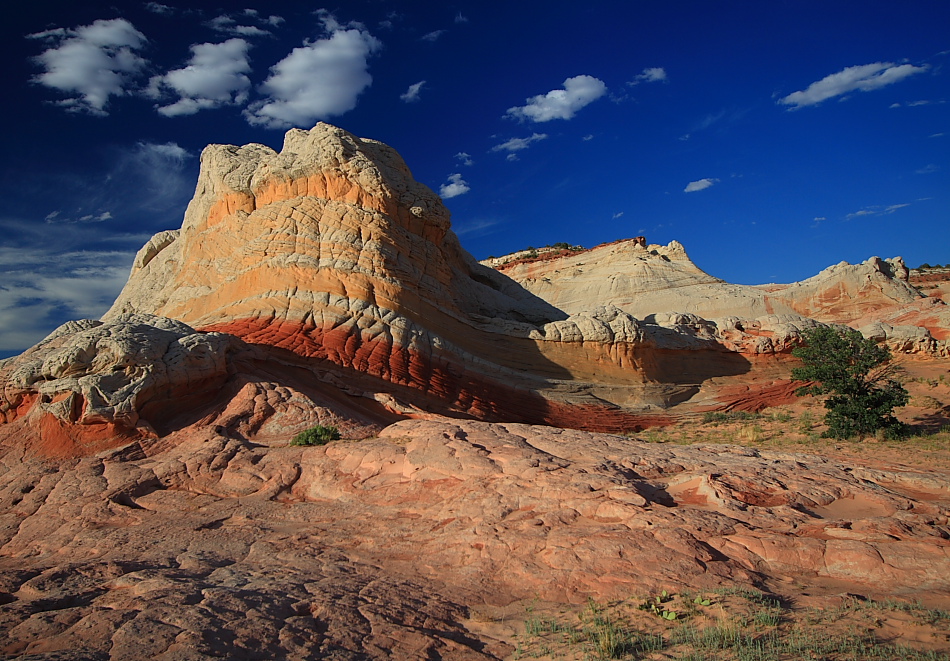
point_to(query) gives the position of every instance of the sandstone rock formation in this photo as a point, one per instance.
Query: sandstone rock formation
(384, 548)
(655, 281)
(326, 266)
(330, 250)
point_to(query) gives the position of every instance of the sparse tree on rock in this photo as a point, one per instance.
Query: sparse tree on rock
(856, 374)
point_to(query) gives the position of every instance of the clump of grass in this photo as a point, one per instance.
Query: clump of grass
(806, 422)
(750, 626)
(750, 434)
(719, 417)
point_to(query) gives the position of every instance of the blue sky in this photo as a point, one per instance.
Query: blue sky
(772, 139)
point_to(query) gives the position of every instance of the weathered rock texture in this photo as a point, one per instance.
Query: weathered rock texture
(204, 545)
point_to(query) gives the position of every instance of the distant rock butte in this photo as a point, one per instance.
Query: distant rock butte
(327, 266)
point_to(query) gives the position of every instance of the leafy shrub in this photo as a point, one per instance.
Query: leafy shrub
(318, 435)
(854, 371)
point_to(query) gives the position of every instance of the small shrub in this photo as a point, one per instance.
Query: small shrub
(318, 435)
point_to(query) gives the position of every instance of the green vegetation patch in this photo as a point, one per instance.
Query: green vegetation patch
(318, 435)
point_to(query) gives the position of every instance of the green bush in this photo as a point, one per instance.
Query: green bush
(855, 372)
(318, 435)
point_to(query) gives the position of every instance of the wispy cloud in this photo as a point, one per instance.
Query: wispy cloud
(464, 159)
(455, 187)
(912, 104)
(649, 75)
(862, 78)
(411, 95)
(518, 144)
(91, 63)
(578, 92)
(433, 36)
(271, 20)
(215, 76)
(228, 25)
(928, 169)
(877, 211)
(161, 175)
(158, 8)
(699, 185)
(475, 227)
(318, 80)
(56, 217)
(43, 288)
(71, 259)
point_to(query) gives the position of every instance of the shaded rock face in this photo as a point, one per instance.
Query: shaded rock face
(91, 384)
(94, 385)
(206, 545)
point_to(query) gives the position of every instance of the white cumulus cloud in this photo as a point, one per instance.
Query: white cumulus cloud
(862, 78)
(702, 184)
(214, 76)
(455, 187)
(318, 80)
(412, 94)
(564, 103)
(92, 63)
